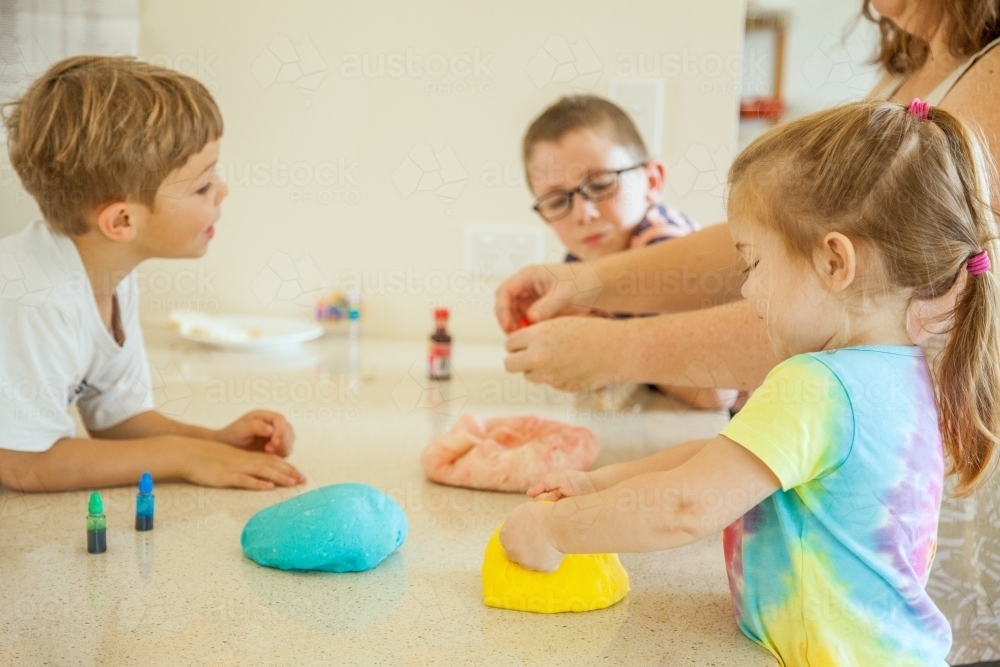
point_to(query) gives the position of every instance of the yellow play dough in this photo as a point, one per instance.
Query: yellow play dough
(583, 582)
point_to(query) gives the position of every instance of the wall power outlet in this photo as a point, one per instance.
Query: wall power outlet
(497, 251)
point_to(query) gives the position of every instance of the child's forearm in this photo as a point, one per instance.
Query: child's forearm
(75, 463)
(641, 514)
(652, 511)
(719, 483)
(668, 459)
(152, 424)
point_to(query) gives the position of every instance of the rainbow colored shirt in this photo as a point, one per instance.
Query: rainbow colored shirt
(830, 569)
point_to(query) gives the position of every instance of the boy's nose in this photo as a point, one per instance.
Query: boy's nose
(584, 210)
(223, 192)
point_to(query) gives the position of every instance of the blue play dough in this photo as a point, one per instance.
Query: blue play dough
(336, 528)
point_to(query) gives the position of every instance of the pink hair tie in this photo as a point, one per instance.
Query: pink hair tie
(919, 109)
(979, 263)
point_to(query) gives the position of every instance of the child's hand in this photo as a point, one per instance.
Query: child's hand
(562, 484)
(215, 464)
(259, 430)
(526, 539)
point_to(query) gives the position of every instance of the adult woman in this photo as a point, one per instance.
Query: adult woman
(938, 50)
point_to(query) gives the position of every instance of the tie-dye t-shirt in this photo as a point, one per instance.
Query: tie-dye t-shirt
(830, 569)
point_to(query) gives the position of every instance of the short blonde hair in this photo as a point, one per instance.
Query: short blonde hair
(96, 129)
(584, 112)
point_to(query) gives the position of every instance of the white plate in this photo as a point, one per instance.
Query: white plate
(244, 332)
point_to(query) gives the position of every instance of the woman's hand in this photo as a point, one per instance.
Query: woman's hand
(562, 484)
(574, 354)
(260, 430)
(543, 291)
(526, 539)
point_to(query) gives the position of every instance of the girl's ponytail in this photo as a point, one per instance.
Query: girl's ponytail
(968, 372)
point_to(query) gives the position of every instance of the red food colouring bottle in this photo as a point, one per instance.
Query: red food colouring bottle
(439, 350)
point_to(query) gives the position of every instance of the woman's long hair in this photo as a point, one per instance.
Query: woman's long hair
(972, 24)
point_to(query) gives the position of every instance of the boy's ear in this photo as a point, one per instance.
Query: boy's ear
(838, 263)
(117, 221)
(656, 177)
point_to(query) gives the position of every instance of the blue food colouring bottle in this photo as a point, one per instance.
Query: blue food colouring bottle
(144, 503)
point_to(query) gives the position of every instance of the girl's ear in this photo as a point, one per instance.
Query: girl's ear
(838, 262)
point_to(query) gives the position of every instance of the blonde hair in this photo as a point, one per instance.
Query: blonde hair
(584, 112)
(94, 129)
(914, 196)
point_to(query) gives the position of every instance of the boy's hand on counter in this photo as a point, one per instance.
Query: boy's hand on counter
(568, 353)
(216, 464)
(562, 484)
(259, 430)
(526, 539)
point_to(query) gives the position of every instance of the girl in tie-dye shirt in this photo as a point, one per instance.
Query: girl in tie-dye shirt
(828, 483)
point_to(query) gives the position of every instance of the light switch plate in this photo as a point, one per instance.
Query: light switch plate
(643, 100)
(497, 251)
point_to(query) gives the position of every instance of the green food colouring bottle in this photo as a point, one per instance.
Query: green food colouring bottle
(97, 524)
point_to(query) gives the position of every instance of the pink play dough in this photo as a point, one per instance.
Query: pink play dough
(507, 453)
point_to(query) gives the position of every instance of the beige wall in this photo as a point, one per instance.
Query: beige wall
(322, 158)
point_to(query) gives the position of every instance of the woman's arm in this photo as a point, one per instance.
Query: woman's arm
(650, 512)
(701, 399)
(725, 347)
(699, 270)
(695, 271)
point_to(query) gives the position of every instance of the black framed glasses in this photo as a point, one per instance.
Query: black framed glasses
(599, 186)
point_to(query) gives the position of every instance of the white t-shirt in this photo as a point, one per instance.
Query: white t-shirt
(55, 350)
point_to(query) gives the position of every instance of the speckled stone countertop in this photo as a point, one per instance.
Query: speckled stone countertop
(183, 594)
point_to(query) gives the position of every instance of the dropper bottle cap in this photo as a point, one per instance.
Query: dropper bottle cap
(146, 483)
(96, 505)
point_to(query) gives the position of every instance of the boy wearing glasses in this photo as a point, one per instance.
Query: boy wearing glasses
(599, 189)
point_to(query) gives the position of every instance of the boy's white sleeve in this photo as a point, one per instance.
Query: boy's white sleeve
(37, 370)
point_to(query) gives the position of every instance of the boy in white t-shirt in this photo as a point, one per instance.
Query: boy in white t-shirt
(120, 156)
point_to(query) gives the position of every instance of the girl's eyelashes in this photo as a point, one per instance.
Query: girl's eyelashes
(205, 189)
(751, 267)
